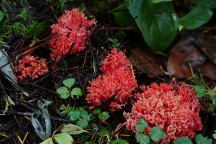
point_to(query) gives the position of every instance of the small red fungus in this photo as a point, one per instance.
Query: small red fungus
(173, 107)
(116, 83)
(70, 34)
(30, 67)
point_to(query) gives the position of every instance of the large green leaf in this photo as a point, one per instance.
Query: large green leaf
(157, 134)
(157, 22)
(159, 1)
(198, 16)
(62, 138)
(122, 16)
(209, 3)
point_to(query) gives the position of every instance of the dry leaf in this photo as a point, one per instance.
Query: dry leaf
(181, 55)
(145, 61)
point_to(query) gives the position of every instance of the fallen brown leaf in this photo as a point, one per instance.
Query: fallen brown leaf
(208, 45)
(208, 69)
(181, 55)
(146, 62)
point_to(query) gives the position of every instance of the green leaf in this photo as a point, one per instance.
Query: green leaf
(121, 16)
(198, 16)
(96, 111)
(82, 123)
(118, 141)
(159, 1)
(200, 90)
(63, 92)
(69, 82)
(141, 125)
(1, 15)
(76, 92)
(62, 138)
(104, 115)
(74, 115)
(157, 134)
(24, 14)
(47, 141)
(35, 28)
(208, 3)
(183, 140)
(212, 95)
(142, 139)
(72, 129)
(203, 140)
(104, 133)
(157, 22)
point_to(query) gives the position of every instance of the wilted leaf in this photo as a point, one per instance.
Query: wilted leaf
(146, 61)
(157, 134)
(69, 82)
(63, 138)
(196, 18)
(41, 120)
(72, 129)
(7, 70)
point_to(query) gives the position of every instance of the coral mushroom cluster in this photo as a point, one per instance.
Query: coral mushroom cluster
(70, 34)
(116, 83)
(30, 67)
(173, 107)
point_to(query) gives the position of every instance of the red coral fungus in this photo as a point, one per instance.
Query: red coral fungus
(30, 67)
(173, 107)
(116, 83)
(70, 34)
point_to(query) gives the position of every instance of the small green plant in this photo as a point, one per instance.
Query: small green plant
(156, 133)
(103, 116)
(114, 42)
(64, 134)
(68, 90)
(199, 140)
(118, 141)
(77, 115)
